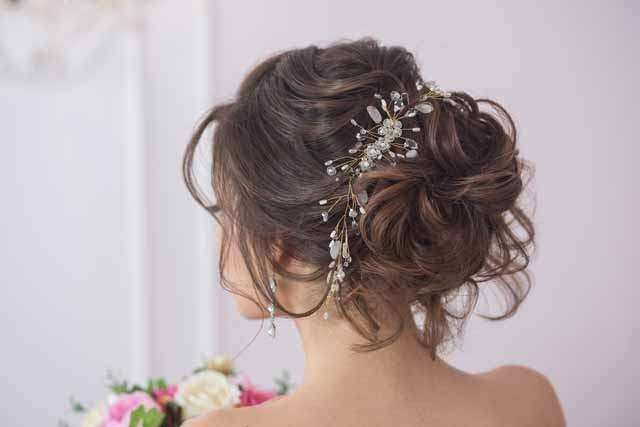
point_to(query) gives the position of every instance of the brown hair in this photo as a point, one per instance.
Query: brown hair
(435, 228)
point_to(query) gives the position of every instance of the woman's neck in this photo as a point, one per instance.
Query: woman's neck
(331, 365)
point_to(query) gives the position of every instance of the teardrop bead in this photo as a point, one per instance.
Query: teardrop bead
(424, 107)
(374, 113)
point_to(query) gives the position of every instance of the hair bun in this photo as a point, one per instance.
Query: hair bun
(434, 224)
(448, 219)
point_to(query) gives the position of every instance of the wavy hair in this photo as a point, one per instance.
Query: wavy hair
(437, 228)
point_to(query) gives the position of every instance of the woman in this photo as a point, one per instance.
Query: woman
(371, 207)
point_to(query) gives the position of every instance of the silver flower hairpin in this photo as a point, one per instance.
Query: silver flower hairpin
(384, 141)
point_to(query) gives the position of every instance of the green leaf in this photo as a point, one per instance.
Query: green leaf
(153, 418)
(120, 386)
(77, 406)
(137, 416)
(284, 383)
(158, 383)
(140, 417)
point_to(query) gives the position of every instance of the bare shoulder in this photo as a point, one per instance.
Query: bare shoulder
(219, 418)
(233, 417)
(528, 395)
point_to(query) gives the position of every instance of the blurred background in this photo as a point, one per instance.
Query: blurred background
(107, 264)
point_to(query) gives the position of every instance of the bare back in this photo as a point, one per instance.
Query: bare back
(506, 396)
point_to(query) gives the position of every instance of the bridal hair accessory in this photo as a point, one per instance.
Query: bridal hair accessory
(382, 142)
(272, 308)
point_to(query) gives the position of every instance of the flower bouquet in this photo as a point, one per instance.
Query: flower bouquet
(214, 385)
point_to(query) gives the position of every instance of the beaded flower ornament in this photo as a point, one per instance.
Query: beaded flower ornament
(382, 142)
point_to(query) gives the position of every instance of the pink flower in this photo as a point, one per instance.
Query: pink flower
(120, 411)
(163, 395)
(251, 395)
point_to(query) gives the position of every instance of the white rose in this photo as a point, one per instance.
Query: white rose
(95, 417)
(222, 364)
(206, 391)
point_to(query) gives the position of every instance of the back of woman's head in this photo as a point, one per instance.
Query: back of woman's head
(435, 228)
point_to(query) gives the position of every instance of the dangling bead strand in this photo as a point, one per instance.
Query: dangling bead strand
(384, 141)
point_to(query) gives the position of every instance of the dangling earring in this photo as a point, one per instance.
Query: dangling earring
(272, 308)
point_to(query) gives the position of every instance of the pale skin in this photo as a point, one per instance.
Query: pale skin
(399, 385)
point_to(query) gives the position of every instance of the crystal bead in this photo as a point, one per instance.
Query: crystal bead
(340, 275)
(325, 216)
(365, 164)
(334, 234)
(410, 143)
(331, 170)
(374, 113)
(353, 122)
(372, 152)
(415, 129)
(334, 248)
(411, 112)
(395, 95)
(325, 316)
(272, 330)
(353, 213)
(424, 107)
(323, 201)
(345, 253)
(328, 162)
(363, 197)
(383, 145)
(411, 154)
